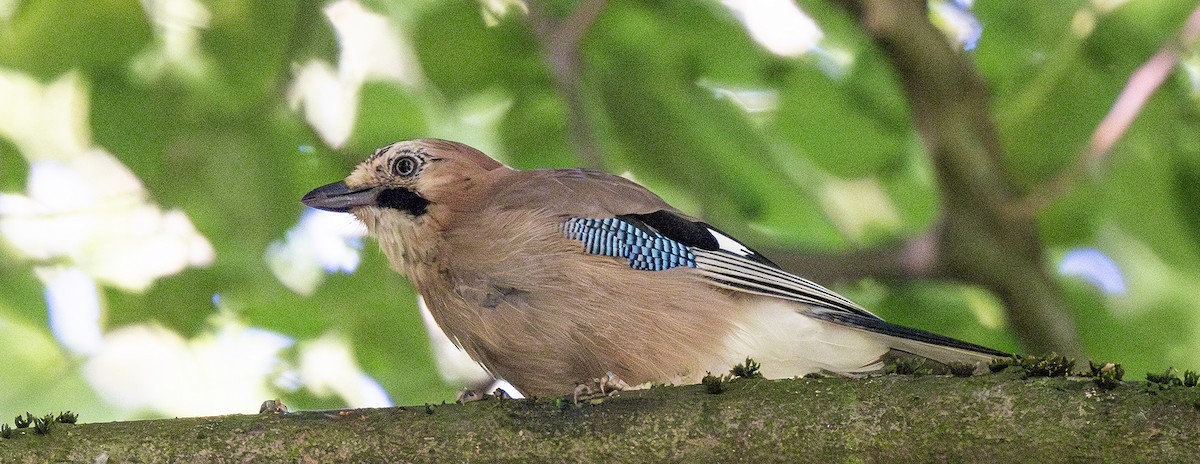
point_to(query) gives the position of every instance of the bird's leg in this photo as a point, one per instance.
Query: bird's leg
(610, 384)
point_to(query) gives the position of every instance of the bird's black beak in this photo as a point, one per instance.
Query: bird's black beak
(340, 198)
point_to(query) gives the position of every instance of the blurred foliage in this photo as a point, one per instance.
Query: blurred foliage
(224, 145)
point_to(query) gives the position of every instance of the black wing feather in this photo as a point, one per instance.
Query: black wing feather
(887, 328)
(695, 234)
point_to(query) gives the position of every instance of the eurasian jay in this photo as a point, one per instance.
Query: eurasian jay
(552, 277)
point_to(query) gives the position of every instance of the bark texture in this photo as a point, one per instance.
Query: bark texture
(992, 418)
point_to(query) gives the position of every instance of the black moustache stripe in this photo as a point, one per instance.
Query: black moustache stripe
(402, 199)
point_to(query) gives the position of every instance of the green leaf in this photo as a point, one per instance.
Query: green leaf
(534, 132)
(841, 129)
(387, 113)
(462, 57)
(50, 37)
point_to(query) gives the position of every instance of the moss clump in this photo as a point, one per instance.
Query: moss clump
(1107, 376)
(23, 421)
(67, 417)
(999, 364)
(43, 425)
(1167, 378)
(5, 431)
(961, 369)
(1050, 365)
(907, 366)
(747, 370)
(1190, 378)
(714, 385)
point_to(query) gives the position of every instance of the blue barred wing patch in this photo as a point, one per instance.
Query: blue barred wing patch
(646, 250)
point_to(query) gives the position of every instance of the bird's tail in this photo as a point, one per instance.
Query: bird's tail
(915, 342)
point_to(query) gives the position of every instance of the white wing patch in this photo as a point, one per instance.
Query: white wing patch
(729, 244)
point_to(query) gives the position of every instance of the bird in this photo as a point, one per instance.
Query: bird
(549, 278)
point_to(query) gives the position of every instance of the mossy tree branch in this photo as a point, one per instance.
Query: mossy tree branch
(999, 418)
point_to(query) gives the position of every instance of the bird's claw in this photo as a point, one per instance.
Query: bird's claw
(606, 385)
(472, 395)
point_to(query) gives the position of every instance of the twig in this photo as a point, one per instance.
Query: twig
(560, 48)
(914, 258)
(1141, 85)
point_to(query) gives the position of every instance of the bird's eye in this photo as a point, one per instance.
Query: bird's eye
(404, 166)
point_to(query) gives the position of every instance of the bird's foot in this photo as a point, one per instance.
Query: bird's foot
(471, 395)
(602, 386)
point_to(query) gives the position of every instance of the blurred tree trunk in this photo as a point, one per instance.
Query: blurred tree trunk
(993, 418)
(980, 240)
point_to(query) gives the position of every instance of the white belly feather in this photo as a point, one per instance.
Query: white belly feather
(789, 344)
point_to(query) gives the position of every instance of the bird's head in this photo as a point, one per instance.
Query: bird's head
(404, 182)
